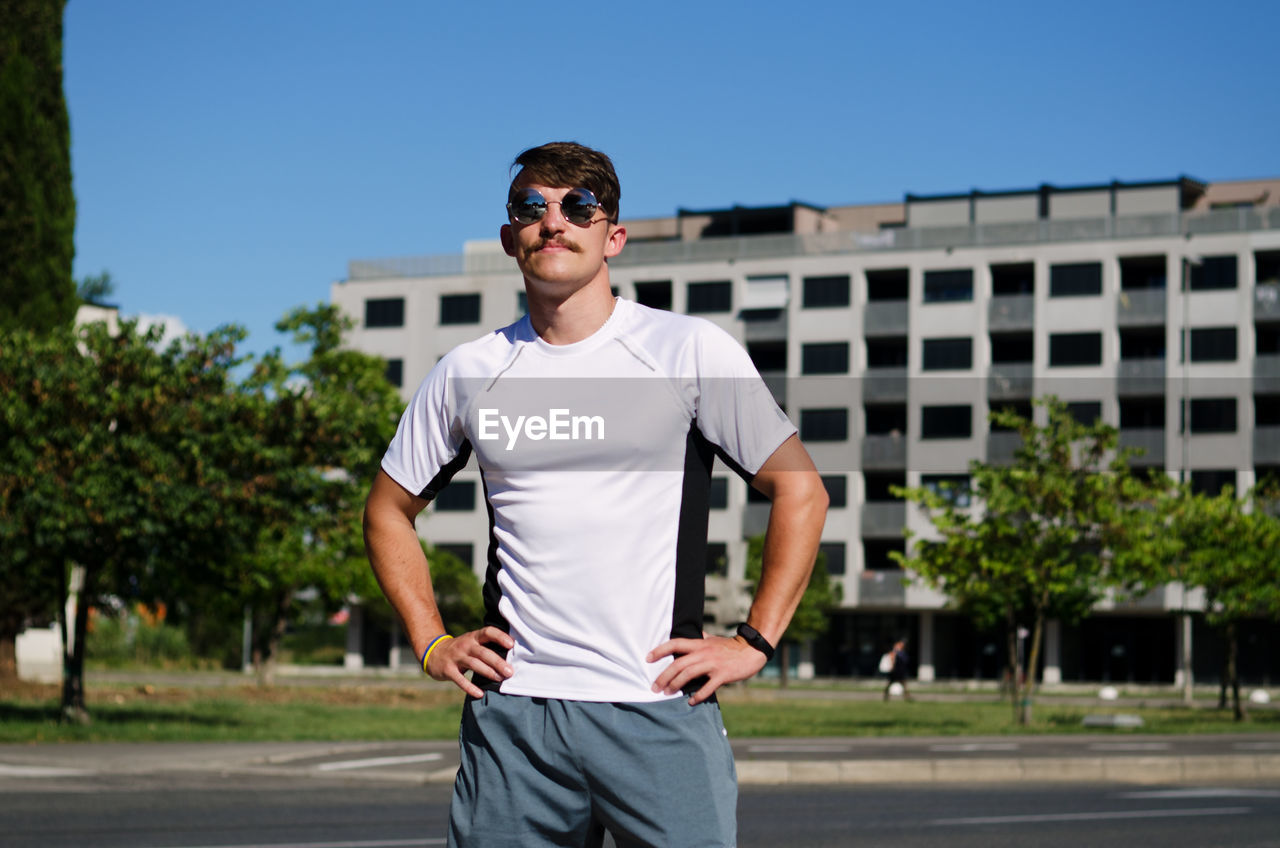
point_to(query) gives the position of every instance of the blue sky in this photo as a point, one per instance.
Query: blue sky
(231, 157)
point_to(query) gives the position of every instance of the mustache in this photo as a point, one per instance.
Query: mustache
(543, 242)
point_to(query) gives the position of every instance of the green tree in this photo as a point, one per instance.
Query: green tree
(323, 424)
(812, 616)
(457, 590)
(1047, 536)
(1228, 547)
(37, 207)
(123, 467)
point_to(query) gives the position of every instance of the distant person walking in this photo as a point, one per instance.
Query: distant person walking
(899, 663)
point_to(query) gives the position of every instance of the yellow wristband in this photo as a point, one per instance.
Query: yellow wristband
(435, 642)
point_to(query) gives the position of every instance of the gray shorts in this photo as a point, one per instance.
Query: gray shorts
(540, 771)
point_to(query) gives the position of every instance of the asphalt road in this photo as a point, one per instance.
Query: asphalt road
(238, 811)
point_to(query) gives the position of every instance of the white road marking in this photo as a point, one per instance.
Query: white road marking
(1206, 792)
(1129, 746)
(799, 749)
(372, 762)
(373, 843)
(7, 770)
(970, 747)
(1099, 816)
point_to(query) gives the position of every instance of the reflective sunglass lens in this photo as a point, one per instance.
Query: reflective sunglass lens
(527, 206)
(579, 206)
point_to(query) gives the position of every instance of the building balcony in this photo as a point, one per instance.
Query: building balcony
(882, 588)
(1266, 302)
(1011, 312)
(1266, 446)
(884, 453)
(755, 519)
(1149, 441)
(1140, 377)
(1141, 308)
(763, 325)
(884, 385)
(886, 318)
(1266, 374)
(1001, 447)
(883, 519)
(1010, 381)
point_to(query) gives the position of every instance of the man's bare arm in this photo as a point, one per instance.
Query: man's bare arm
(401, 570)
(796, 518)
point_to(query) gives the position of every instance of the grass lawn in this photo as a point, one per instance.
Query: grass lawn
(347, 711)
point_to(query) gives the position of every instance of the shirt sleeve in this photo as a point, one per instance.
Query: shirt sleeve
(430, 445)
(736, 411)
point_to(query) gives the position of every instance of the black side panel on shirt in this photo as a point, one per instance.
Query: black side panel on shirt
(445, 474)
(691, 537)
(492, 594)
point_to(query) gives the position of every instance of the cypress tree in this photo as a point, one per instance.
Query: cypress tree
(37, 206)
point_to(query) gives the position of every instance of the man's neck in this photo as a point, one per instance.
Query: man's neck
(576, 317)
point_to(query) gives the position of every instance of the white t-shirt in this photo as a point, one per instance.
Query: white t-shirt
(596, 461)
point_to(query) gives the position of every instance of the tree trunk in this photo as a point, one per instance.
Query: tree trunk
(268, 638)
(1033, 663)
(785, 664)
(1233, 671)
(9, 652)
(1015, 675)
(74, 708)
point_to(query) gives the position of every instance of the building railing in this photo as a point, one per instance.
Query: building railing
(1011, 381)
(883, 519)
(1266, 445)
(884, 452)
(884, 385)
(1140, 377)
(1141, 307)
(1011, 312)
(882, 588)
(735, 248)
(886, 318)
(1266, 301)
(1149, 441)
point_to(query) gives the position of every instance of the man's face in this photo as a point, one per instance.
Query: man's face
(558, 254)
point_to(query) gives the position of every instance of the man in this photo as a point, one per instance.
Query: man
(899, 667)
(595, 421)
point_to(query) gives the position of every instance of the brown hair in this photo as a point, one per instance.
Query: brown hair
(567, 164)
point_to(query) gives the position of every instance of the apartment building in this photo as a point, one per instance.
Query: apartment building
(889, 331)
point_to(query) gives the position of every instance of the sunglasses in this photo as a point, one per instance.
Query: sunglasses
(578, 206)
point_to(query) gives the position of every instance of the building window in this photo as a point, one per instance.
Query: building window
(384, 312)
(1266, 267)
(1143, 272)
(656, 295)
(395, 372)
(948, 286)
(1012, 348)
(948, 354)
(837, 486)
(719, 493)
(953, 421)
(718, 558)
(1213, 415)
(716, 296)
(888, 352)
(879, 485)
(464, 551)
(1142, 413)
(1142, 343)
(952, 488)
(1214, 272)
(834, 552)
(876, 554)
(1077, 280)
(1014, 279)
(824, 425)
(1074, 349)
(888, 284)
(824, 358)
(458, 496)
(1085, 412)
(460, 308)
(1266, 339)
(1211, 482)
(826, 292)
(885, 419)
(768, 356)
(1213, 344)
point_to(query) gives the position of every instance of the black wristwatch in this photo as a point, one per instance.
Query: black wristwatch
(755, 640)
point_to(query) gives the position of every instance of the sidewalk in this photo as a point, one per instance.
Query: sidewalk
(1021, 759)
